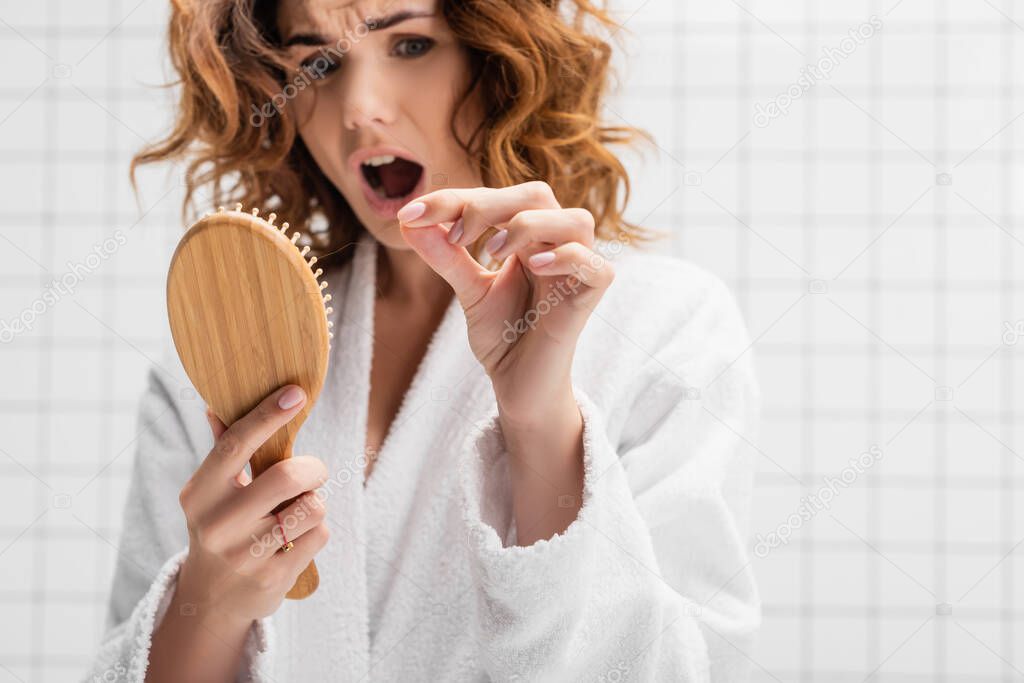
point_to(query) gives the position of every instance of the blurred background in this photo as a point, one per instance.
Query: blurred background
(852, 170)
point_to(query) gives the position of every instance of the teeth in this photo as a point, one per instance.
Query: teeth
(381, 160)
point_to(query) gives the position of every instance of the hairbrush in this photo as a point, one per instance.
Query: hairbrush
(248, 315)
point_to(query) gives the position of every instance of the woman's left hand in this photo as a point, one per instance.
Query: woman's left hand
(523, 319)
(523, 322)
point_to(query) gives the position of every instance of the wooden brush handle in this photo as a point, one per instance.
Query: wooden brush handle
(248, 316)
(275, 449)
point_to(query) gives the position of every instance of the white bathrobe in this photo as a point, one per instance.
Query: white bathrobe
(421, 579)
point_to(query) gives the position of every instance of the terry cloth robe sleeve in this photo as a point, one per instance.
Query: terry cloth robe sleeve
(154, 539)
(652, 581)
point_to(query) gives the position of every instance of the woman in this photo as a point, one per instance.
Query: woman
(525, 472)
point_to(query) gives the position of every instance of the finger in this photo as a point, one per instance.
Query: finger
(242, 479)
(238, 442)
(216, 426)
(305, 549)
(554, 226)
(498, 208)
(475, 210)
(295, 520)
(280, 482)
(468, 279)
(439, 206)
(590, 267)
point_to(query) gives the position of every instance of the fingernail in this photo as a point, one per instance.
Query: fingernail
(291, 398)
(496, 242)
(411, 212)
(542, 259)
(456, 232)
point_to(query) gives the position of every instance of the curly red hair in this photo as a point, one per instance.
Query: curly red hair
(540, 74)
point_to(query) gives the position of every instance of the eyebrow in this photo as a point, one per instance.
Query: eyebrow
(372, 24)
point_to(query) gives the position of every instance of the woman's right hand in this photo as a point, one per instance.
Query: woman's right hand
(234, 572)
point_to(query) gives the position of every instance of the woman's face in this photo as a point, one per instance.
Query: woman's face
(376, 85)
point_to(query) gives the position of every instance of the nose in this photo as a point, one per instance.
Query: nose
(365, 99)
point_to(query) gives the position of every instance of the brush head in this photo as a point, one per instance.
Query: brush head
(248, 315)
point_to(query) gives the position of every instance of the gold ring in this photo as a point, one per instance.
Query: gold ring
(288, 545)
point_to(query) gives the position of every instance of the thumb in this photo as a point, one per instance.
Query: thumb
(242, 479)
(216, 426)
(455, 264)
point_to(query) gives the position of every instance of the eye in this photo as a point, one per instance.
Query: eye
(410, 48)
(319, 66)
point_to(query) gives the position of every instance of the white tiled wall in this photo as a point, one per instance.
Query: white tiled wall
(872, 236)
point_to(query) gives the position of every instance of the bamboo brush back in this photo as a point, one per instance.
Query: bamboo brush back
(248, 315)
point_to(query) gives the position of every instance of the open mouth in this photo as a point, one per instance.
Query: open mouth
(391, 177)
